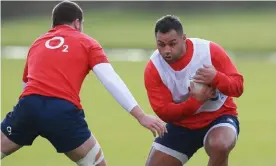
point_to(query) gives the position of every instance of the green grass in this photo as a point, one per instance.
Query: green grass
(125, 143)
(252, 31)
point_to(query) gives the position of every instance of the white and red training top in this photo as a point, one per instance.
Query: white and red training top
(167, 85)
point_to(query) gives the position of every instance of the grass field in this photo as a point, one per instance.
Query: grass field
(237, 31)
(125, 143)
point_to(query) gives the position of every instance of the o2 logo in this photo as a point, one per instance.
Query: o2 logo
(60, 44)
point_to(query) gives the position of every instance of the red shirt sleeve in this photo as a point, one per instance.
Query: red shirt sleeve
(161, 99)
(96, 54)
(227, 80)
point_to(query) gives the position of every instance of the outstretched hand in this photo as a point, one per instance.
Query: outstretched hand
(154, 124)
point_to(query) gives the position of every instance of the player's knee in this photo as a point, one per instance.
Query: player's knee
(220, 141)
(220, 147)
(93, 158)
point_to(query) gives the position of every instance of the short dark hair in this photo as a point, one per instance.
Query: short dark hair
(168, 23)
(66, 12)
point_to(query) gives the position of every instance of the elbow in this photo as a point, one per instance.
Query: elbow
(240, 89)
(239, 92)
(235, 88)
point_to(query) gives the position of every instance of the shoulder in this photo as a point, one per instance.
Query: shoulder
(88, 41)
(215, 47)
(151, 76)
(150, 67)
(155, 57)
(151, 73)
(199, 41)
(217, 51)
(199, 44)
(219, 55)
(38, 41)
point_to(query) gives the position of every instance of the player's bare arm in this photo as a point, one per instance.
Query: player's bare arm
(118, 89)
(147, 121)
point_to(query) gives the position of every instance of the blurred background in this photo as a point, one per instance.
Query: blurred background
(126, 31)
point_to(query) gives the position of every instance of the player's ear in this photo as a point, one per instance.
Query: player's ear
(77, 24)
(184, 36)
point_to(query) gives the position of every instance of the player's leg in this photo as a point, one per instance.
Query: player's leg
(160, 158)
(221, 139)
(220, 142)
(7, 146)
(176, 147)
(88, 154)
(69, 134)
(18, 128)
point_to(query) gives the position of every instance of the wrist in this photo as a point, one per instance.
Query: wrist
(215, 81)
(137, 112)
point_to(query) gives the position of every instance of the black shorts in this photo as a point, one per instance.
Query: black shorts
(57, 120)
(182, 143)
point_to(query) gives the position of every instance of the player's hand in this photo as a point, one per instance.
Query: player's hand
(154, 124)
(205, 75)
(204, 94)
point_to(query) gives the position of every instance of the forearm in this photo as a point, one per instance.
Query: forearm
(227, 79)
(116, 87)
(137, 112)
(230, 85)
(174, 112)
